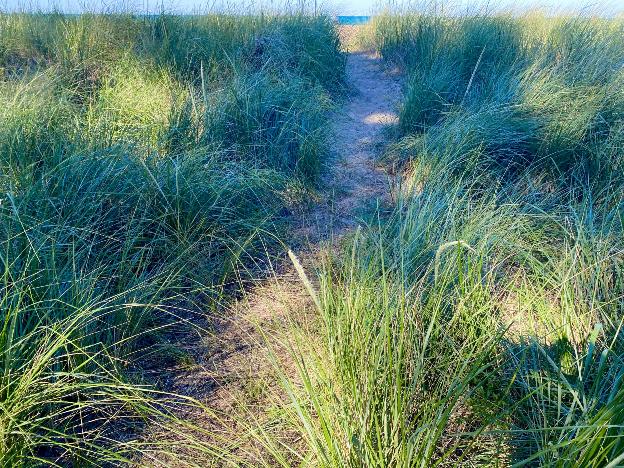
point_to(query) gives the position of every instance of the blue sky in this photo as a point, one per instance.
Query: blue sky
(342, 7)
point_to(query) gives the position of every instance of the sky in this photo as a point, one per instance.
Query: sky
(340, 7)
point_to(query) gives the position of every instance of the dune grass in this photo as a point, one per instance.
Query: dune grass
(480, 322)
(141, 160)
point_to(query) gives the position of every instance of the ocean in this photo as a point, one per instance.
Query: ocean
(353, 19)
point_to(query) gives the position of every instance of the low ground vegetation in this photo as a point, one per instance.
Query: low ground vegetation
(476, 321)
(141, 160)
(480, 322)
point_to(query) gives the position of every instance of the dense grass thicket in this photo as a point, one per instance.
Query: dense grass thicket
(480, 322)
(140, 159)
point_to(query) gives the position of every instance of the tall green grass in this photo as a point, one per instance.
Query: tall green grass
(480, 322)
(141, 160)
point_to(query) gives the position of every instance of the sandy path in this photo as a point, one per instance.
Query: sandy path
(231, 366)
(353, 182)
(358, 131)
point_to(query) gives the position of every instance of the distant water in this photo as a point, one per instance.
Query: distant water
(353, 19)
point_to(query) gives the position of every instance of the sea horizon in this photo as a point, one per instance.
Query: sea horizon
(352, 19)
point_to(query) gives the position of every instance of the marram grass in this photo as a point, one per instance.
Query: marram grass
(480, 324)
(142, 159)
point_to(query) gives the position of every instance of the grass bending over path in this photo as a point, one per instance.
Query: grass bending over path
(480, 323)
(141, 159)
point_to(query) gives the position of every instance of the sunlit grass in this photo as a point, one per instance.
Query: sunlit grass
(480, 322)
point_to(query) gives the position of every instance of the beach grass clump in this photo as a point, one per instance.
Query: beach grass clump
(479, 321)
(37, 119)
(136, 104)
(541, 71)
(143, 161)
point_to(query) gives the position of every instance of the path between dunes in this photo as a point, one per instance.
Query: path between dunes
(231, 366)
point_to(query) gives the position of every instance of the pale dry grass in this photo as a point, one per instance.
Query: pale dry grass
(349, 37)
